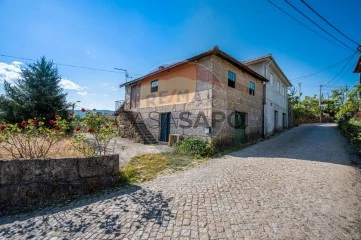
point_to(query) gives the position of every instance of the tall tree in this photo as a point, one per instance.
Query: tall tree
(37, 94)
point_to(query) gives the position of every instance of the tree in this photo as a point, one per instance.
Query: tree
(351, 104)
(37, 94)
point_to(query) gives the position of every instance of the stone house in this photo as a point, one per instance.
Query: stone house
(276, 105)
(212, 96)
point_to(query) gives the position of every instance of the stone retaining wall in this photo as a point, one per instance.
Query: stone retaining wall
(30, 182)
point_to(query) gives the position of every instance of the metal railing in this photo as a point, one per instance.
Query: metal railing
(118, 104)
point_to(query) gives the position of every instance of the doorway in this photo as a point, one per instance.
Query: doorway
(164, 126)
(275, 121)
(240, 127)
(134, 96)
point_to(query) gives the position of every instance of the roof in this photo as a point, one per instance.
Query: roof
(358, 66)
(269, 56)
(214, 51)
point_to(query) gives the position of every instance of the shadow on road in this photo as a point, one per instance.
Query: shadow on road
(108, 212)
(312, 142)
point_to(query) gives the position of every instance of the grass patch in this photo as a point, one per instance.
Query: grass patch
(148, 166)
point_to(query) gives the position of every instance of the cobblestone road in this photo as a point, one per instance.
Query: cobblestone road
(298, 185)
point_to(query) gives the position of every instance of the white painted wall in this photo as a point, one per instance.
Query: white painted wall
(276, 96)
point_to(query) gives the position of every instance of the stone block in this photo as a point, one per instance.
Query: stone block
(98, 166)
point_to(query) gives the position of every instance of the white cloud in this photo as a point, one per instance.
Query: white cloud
(83, 93)
(105, 84)
(10, 72)
(106, 95)
(67, 84)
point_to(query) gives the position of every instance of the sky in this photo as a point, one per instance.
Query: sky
(141, 35)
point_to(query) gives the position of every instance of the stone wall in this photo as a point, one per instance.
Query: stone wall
(30, 182)
(228, 100)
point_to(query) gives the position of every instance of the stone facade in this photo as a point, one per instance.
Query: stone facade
(228, 100)
(212, 96)
(24, 183)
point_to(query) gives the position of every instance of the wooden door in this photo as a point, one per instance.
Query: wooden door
(164, 127)
(134, 96)
(240, 127)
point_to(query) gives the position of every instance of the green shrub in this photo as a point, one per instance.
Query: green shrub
(352, 130)
(194, 147)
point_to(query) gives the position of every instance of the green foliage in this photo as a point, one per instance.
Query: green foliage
(194, 147)
(145, 167)
(31, 139)
(94, 133)
(148, 166)
(351, 104)
(36, 94)
(352, 130)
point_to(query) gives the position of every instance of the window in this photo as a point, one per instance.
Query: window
(282, 90)
(154, 86)
(231, 79)
(252, 88)
(271, 78)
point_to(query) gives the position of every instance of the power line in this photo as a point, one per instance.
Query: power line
(338, 74)
(330, 24)
(61, 64)
(317, 25)
(289, 15)
(322, 70)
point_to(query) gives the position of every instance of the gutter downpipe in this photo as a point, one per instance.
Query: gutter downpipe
(264, 101)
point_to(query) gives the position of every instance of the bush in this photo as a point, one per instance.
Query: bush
(352, 130)
(194, 147)
(33, 138)
(93, 134)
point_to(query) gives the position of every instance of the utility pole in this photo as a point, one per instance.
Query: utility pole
(299, 93)
(126, 74)
(73, 105)
(346, 91)
(319, 101)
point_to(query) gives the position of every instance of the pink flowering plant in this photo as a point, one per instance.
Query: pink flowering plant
(33, 138)
(94, 134)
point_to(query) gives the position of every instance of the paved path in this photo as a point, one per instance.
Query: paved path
(127, 149)
(298, 185)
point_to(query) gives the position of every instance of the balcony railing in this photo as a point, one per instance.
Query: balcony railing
(118, 104)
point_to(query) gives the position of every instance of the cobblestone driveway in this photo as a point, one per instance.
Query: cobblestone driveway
(299, 185)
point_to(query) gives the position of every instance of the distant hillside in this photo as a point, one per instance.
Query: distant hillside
(80, 113)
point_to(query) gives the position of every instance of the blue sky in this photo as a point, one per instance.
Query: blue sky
(141, 35)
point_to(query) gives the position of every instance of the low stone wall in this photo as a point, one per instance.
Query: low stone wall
(31, 182)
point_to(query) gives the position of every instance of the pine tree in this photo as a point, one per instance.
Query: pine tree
(37, 94)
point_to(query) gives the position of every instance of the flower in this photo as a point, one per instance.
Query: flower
(114, 123)
(2, 127)
(24, 123)
(56, 116)
(83, 110)
(34, 121)
(106, 126)
(51, 122)
(70, 114)
(90, 130)
(77, 129)
(57, 128)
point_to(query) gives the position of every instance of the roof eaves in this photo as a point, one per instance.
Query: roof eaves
(216, 51)
(153, 73)
(269, 56)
